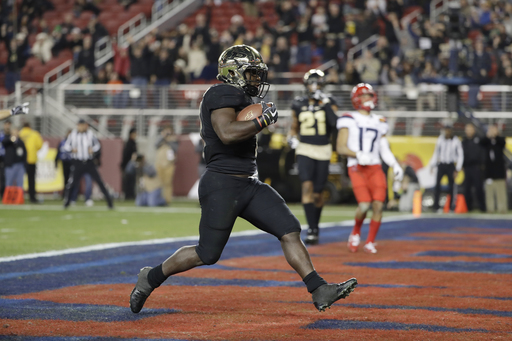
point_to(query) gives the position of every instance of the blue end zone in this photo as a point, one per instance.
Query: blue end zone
(44, 310)
(344, 325)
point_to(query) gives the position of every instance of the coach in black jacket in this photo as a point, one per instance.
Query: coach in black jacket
(495, 171)
(473, 165)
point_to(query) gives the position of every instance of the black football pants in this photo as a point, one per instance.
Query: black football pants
(78, 169)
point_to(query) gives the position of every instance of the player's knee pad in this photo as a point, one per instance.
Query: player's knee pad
(364, 206)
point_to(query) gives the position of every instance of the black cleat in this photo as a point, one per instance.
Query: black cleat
(141, 291)
(327, 294)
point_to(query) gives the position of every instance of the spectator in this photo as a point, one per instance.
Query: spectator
(95, 29)
(481, 63)
(129, 178)
(351, 75)
(196, 59)
(15, 60)
(140, 58)
(495, 171)
(65, 158)
(305, 37)
(117, 97)
(5, 132)
(15, 159)
(42, 48)
(33, 142)
(86, 56)
(149, 189)
(162, 69)
(369, 67)
(180, 76)
(121, 61)
(167, 148)
(409, 185)
(448, 157)
(473, 162)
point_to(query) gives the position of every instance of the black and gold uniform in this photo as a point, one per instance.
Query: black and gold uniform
(313, 122)
(223, 195)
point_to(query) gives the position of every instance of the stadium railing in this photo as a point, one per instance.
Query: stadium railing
(111, 110)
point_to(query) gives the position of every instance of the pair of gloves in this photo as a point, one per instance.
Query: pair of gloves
(20, 109)
(364, 159)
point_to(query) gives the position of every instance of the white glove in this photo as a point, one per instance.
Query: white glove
(363, 158)
(20, 109)
(399, 172)
(293, 142)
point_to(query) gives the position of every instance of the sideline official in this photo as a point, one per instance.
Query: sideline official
(449, 158)
(83, 145)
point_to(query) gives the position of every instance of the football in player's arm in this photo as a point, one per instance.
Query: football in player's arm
(313, 122)
(362, 139)
(18, 110)
(229, 188)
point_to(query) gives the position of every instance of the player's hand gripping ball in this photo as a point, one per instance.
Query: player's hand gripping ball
(250, 112)
(262, 114)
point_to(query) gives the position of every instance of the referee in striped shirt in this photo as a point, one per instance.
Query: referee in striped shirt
(82, 144)
(449, 158)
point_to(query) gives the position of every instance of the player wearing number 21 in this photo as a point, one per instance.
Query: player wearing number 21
(313, 121)
(362, 138)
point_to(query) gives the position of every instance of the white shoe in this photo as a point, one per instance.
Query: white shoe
(353, 242)
(73, 203)
(370, 248)
(89, 203)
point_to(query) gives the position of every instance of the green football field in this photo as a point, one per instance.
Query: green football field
(37, 228)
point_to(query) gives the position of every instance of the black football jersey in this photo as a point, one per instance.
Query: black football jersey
(239, 158)
(316, 121)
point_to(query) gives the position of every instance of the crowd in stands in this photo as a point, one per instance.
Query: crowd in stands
(473, 41)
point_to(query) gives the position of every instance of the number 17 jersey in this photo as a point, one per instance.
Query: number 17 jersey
(364, 134)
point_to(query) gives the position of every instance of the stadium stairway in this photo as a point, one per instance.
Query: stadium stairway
(112, 16)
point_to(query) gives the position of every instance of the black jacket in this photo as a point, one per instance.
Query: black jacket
(15, 152)
(130, 147)
(474, 153)
(494, 158)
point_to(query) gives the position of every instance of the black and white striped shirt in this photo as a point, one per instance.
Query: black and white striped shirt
(79, 143)
(448, 151)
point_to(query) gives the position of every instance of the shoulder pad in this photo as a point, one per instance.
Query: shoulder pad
(224, 96)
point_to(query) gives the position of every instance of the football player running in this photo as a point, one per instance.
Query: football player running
(18, 110)
(229, 189)
(313, 121)
(362, 138)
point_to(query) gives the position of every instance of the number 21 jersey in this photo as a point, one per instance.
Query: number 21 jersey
(364, 133)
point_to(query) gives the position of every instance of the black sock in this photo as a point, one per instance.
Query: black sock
(313, 281)
(318, 213)
(309, 209)
(156, 276)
